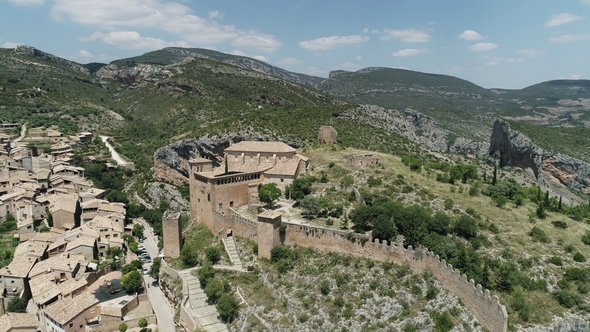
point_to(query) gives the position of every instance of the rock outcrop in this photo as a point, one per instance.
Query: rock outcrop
(517, 150)
(31, 51)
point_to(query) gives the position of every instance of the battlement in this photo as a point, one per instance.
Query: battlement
(488, 310)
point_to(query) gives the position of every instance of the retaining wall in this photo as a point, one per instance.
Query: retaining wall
(487, 309)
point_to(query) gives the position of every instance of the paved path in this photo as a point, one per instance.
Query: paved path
(162, 307)
(23, 131)
(197, 304)
(114, 153)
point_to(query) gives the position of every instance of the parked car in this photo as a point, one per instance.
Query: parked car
(141, 248)
(145, 270)
(140, 240)
(145, 259)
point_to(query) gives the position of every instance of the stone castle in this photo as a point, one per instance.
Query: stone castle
(214, 193)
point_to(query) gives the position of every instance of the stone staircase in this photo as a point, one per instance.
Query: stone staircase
(197, 305)
(232, 251)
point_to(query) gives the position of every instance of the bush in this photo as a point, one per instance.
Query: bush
(586, 238)
(519, 304)
(122, 327)
(538, 235)
(131, 282)
(466, 227)
(567, 299)
(448, 204)
(213, 254)
(555, 260)
(206, 273)
(559, 224)
(215, 289)
(578, 257)
(228, 307)
(325, 287)
(499, 200)
(443, 322)
(142, 323)
(16, 304)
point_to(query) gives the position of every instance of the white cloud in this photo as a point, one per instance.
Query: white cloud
(9, 45)
(132, 40)
(530, 52)
(216, 14)
(408, 35)
(586, 2)
(470, 35)
(567, 38)
(328, 43)
(365, 30)
(85, 57)
(27, 2)
(496, 60)
(408, 52)
(290, 61)
(257, 40)
(575, 77)
(482, 47)
(261, 58)
(561, 19)
(358, 58)
(170, 17)
(236, 52)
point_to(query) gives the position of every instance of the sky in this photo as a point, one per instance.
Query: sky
(495, 44)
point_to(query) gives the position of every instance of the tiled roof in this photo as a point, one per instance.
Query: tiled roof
(13, 320)
(19, 267)
(288, 167)
(59, 262)
(66, 309)
(254, 146)
(65, 203)
(31, 248)
(81, 241)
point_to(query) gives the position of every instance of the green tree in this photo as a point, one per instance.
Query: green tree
(300, 188)
(347, 181)
(206, 273)
(269, 193)
(466, 227)
(215, 289)
(131, 282)
(495, 176)
(384, 228)
(122, 327)
(213, 254)
(189, 254)
(16, 304)
(49, 220)
(228, 307)
(155, 268)
(142, 323)
(310, 205)
(138, 230)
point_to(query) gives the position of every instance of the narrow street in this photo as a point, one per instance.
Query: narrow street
(163, 309)
(23, 132)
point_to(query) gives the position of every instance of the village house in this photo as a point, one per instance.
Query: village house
(69, 313)
(66, 212)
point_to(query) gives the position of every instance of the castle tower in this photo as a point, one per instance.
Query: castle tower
(196, 165)
(172, 231)
(269, 223)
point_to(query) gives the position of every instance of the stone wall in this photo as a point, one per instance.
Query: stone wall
(487, 309)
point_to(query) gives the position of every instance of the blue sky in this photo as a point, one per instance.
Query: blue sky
(495, 44)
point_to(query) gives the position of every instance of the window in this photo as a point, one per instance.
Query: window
(71, 325)
(92, 311)
(198, 200)
(220, 205)
(78, 292)
(231, 204)
(208, 197)
(282, 180)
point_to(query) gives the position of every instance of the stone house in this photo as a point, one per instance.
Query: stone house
(363, 160)
(66, 212)
(69, 313)
(13, 278)
(84, 246)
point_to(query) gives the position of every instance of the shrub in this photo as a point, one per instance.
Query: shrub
(567, 299)
(519, 303)
(131, 282)
(228, 307)
(499, 200)
(339, 301)
(16, 304)
(431, 293)
(206, 273)
(586, 238)
(122, 327)
(215, 289)
(466, 227)
(325, 287)
(555, 260)
(538, 235)
(443, 322)
(448, 204)
(578, 257)
(142, 323)
(559, 224)
(213, 254)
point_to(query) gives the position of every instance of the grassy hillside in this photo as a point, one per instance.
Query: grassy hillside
(570, 141)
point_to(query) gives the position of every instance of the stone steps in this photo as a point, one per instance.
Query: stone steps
(232, 250)
(199, 309)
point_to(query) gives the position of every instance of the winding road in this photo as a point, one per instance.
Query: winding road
(114, 153)
(23, 131)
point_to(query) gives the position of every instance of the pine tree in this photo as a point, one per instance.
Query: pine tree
(495, 176)
(546, 200)
(559, 206)
(226, 168)
(485, 175)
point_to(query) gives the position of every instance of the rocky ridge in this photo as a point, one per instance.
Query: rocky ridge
(417, 127)
(554, 170)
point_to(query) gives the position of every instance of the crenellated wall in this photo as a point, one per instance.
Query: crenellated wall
(487, 309)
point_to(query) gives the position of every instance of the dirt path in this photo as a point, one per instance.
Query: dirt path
(114, 153)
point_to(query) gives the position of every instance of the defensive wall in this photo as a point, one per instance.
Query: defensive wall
(486, 308)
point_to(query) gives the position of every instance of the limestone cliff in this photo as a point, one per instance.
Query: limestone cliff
(517, 150)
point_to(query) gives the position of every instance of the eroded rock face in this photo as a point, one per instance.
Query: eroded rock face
(171, 162)
(517, 150)
(135, 74)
